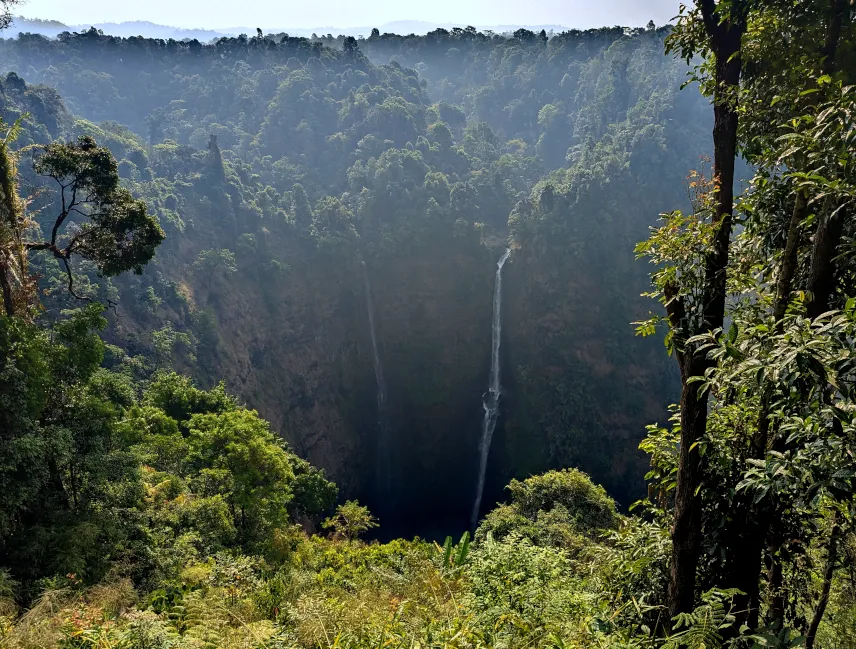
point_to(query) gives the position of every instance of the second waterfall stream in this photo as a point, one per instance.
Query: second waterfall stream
(491, 398)
(383, 451)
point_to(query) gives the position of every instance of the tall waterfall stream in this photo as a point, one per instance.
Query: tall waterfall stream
(491, 397)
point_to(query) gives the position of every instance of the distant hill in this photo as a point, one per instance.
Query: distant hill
(51, 28)
(420, 27)
(36, 26)
(153, 30)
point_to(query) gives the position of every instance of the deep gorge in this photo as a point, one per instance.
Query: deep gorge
(272, 205)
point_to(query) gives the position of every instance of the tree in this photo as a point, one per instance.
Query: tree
(214, 162)
(351, 46)
(215, 265)
(238, 457)
(98, 220)
(301, 210)
(775, 378)
(715, 30)
(559, 508)
(332, 222)
(350, 521)
(64, 475)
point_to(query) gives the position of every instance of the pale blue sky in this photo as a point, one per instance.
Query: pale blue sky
(212, 14)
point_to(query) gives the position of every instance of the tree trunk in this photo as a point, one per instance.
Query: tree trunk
(8, 301)
(776, 581)
(821, 283)
(725, 40)
(686, 535)
(784, 285)
(833, 34)
(747, 533)
(831, 559)
(829, 231)
(748, 538)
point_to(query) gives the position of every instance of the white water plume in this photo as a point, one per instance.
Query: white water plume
(491, 398)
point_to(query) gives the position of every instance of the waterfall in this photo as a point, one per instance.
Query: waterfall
(491, 397)
(383, 451)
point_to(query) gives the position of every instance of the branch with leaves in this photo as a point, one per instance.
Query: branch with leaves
(96, 219)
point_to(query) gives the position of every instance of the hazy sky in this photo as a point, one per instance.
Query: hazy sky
(212, 14)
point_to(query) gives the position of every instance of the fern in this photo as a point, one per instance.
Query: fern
(201, 623)
(702, 629)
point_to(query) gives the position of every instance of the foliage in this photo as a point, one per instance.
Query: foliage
(757, 484)
(97, 220)
(350, 521)
(558, 508)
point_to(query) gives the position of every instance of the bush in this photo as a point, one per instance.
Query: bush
(558, 508)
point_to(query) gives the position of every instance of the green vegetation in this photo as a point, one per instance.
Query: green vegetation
(254, 186)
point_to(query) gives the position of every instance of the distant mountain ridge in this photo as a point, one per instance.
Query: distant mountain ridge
(52, 28)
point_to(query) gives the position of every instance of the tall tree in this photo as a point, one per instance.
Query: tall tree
(796, 129)
(716, 31)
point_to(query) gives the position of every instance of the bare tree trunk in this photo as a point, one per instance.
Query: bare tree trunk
(686, 529)
(831, 559)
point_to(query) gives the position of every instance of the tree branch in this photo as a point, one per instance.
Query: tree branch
(63, 215)
(71, 281)
(40, 245)
(8, 301)
(63, 256)
(676, 312)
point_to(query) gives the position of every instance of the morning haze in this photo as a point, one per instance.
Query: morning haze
(342, 14)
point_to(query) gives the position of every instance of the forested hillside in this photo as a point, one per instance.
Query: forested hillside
(271, 306)
(278, 166)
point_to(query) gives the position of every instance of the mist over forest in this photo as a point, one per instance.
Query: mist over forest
(148, 29)
(275, 304)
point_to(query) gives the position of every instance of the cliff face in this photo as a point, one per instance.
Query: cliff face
(293, 339)
(289, 338)
(581, 387)
(433, 317)
(288, 331)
